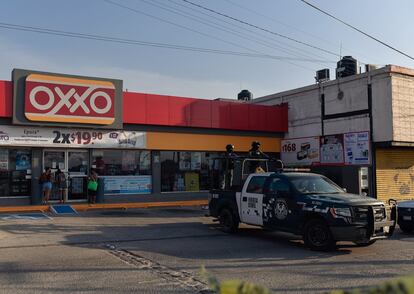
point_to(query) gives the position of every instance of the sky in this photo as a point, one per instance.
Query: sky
(283, 64)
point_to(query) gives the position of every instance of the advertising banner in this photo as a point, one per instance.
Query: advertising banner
(23, 160)
(185, 161)
(195, 160)
(300, 152)
(332, 149)
(71, 138)
(192, 182)
(357, 150)
(127, 185)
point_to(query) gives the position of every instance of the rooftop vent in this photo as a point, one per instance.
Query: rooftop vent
(322, 75)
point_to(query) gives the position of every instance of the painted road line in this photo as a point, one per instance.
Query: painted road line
(27, 216)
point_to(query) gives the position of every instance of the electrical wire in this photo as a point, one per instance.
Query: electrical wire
(259, 28)
(220, 27)
(295, 51)
(194, 31)
(294, 28)
(356, 29)
(276, 21)
(141, 43)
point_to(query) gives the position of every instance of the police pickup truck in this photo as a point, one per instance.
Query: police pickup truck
(406, 216)
(305, 204)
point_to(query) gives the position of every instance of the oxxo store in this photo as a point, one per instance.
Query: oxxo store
(145, 147)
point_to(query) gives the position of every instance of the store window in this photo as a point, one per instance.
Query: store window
(185, 171)
(78, 162)
(15, 172)
(121, 162)
(54, 159)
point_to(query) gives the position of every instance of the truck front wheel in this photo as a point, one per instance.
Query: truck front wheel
(317, 235)
(228, 222)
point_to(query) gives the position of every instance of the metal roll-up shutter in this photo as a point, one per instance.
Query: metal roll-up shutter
(395, 173)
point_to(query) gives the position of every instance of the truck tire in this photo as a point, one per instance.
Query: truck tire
(317, 236)
(228, 222)
(406, 229)
(365, 244)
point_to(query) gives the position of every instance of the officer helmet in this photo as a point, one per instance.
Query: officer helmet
(255, 144)
(229, 147)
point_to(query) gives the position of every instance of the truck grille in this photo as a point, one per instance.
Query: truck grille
(379, 213)
(361, 213)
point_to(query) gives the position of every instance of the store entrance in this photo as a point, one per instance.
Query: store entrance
(74, 164)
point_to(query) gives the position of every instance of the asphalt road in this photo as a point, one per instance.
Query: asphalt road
(162, 251)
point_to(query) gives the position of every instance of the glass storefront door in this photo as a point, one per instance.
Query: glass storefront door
(74, 164)
(78, 174)
(54, 159)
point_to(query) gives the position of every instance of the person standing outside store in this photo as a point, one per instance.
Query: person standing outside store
(60, 180)
(92, 187)
(46, 182)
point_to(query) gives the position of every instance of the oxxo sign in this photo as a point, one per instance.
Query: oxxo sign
(58, 99)
(61, 99)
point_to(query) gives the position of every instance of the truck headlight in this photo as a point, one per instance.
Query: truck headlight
(340, 212)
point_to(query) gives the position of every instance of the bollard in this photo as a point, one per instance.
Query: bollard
(100, 195)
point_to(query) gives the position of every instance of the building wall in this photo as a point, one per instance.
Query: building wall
(206, 142)
(382, 108)
(348, 112)
(346, 125)
(355, 95)
(304, 110)
(402, 107)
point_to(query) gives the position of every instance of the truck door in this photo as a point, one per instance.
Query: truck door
(279, 205)
(251, 208)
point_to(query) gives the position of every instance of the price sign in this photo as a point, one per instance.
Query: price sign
(52, 137)
(300, 152)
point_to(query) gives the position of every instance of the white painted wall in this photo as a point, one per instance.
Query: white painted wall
(392, 105)
(355, 96)
(305, 107)
(347, 125)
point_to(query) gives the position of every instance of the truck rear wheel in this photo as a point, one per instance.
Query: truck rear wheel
(228, 222)
(317, 236)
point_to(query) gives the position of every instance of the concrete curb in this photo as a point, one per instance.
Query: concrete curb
(86, 207)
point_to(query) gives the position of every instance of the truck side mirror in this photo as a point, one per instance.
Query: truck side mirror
(344, 189)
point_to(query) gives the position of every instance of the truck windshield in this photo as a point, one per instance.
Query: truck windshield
(314, 185)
